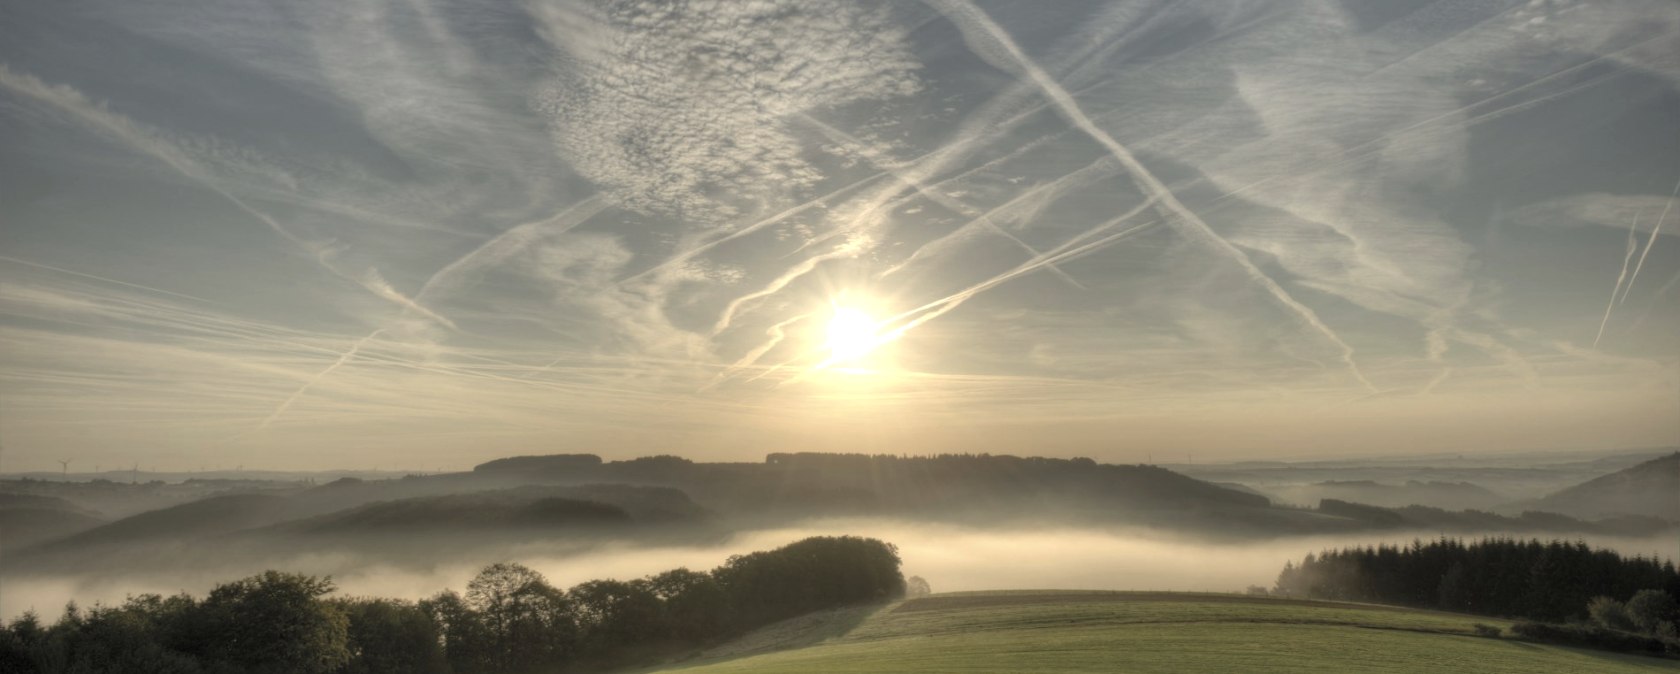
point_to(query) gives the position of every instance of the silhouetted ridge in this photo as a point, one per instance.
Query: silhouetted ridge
(10, 501)
(946, 485)
(931, 480)
(539, 464)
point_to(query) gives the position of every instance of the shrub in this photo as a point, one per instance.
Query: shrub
(1587, 636)
(1609, 614)
(1649, 609)
(1484, 630)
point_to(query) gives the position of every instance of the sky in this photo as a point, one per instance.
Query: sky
(418, 234)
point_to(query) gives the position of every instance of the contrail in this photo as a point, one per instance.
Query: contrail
(1436, 381)
(685, 255)
(125, 130)
(932, 247)
(935, 196)
(512, 240)
(376, 284)
(804, 267)
(1360, 151)
(966, 15)
(497, 248)
(973, 131)
(776, 333)
(95, 277)
(1653, 239)
(1632, 245)
(1435, 344)
(927, 312)
(1066, 251)
(342, 359)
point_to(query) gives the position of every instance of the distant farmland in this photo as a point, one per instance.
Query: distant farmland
(1148, 632)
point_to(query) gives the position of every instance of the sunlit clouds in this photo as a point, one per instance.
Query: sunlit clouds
(417, 234)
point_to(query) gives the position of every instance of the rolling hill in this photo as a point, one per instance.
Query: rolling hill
(1143, 632)
(1651, 489)
(195, 520)
(21, 527)
(348, 516)
(28, 519)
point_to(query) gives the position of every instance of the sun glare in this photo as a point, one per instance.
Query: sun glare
(851, 335)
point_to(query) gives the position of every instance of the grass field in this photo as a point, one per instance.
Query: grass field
(1145, 632)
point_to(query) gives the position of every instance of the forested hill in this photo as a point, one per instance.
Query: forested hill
(863, 483)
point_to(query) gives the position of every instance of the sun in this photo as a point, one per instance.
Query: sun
(852, 334)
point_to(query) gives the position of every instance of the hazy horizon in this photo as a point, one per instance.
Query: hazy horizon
(423, 235)
(1182, 460)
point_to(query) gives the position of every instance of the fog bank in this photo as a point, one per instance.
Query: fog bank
(950, 557)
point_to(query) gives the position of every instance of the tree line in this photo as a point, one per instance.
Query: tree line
(509, 619)
(1548, 582)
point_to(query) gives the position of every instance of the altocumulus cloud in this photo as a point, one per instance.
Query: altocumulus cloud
(681, 108)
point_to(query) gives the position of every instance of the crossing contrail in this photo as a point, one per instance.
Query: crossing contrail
(1627, 259)
(973, 22)
(1653, 239)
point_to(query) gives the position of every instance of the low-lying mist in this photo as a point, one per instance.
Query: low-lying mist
(950, 557)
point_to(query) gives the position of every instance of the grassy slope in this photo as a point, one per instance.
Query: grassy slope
(1158, 632)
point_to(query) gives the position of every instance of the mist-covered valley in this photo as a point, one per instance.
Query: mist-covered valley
(951, 557)
(962, 522)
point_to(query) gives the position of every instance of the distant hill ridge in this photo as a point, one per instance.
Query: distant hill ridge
(1453, 495)
(463, 512)
(1651, 488)
(349, 508)
(879, 482)
(206, 517)
(574, 497)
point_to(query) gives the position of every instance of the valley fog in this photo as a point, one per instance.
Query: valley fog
(951, 557)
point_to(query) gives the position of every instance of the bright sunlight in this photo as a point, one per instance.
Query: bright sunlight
(851, 335)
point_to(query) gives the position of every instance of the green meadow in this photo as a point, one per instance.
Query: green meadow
(1145, 632)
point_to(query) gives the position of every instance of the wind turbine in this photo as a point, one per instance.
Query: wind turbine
(65, 464)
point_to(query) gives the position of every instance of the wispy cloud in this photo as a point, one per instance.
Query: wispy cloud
(421, 229)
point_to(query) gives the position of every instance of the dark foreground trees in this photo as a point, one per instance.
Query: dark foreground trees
(1564, 593)
(1550, 582)
(509, 621)
(271, 622)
